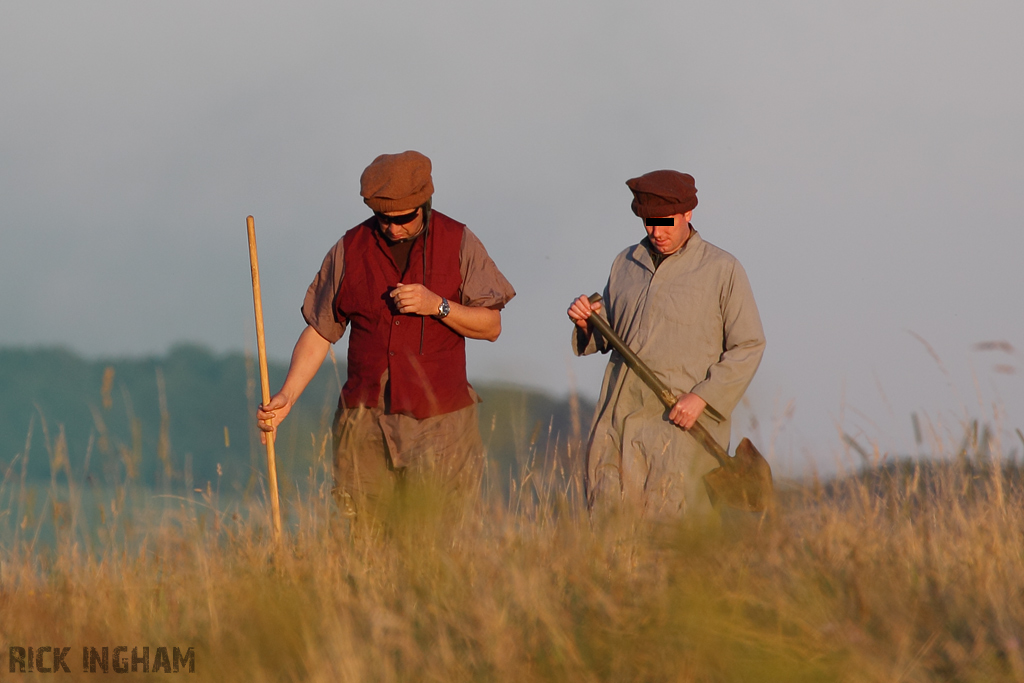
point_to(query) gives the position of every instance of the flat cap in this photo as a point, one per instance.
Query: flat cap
(396, 182)
(662, 193)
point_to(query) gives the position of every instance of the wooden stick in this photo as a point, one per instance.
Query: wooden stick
(261, 344)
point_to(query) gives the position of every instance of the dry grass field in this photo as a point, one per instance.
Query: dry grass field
(906, 572)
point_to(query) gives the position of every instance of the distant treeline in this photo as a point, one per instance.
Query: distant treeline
(168, 420)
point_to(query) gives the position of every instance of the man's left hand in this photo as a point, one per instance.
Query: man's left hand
(686, 410)
(415, 299)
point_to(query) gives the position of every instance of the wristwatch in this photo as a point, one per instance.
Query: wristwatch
(444, 308)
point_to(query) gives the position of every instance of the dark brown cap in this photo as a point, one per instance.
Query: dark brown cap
(662, 193)
(396, 182)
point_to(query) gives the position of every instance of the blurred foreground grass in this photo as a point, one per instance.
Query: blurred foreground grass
(910, 572)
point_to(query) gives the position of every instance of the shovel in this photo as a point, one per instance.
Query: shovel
(743, 482)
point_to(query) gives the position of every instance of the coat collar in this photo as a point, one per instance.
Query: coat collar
(642, 251)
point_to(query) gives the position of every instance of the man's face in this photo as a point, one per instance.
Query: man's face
(400, 231)
(668, 239)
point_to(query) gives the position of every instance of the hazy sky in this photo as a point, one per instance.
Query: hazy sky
(863, 160)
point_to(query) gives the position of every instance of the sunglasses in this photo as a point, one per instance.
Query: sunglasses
(384, 219)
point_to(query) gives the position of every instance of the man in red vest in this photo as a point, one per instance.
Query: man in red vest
(412, 284)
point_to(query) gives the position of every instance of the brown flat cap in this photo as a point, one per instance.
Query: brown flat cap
(662, 193)
(396, 182)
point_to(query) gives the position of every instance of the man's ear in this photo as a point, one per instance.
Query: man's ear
(687, 216)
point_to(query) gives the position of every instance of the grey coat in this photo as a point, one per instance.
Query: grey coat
(695, 323)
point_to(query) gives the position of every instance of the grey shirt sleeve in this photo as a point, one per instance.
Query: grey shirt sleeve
(743, 346)
(318, 306)
(482, 282)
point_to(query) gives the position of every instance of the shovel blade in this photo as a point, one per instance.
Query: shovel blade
(745, 483)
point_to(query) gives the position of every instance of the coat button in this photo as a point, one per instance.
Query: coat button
(397, 321)
(391, 353)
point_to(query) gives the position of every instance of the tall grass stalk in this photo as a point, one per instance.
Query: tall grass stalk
(908, 571)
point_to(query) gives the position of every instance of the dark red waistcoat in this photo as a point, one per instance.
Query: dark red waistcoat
(425, 359)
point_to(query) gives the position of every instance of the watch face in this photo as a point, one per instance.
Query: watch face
(444, 309)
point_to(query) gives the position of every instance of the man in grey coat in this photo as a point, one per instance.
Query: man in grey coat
(686, 308)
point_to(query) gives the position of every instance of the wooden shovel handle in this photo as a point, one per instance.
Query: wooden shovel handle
(664, 394)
